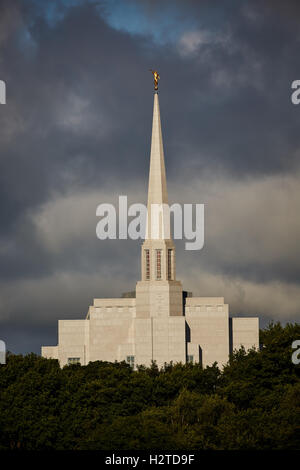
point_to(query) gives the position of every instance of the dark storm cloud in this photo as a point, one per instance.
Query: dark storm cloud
(76, 132)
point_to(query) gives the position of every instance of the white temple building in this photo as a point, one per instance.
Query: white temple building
(159, 322)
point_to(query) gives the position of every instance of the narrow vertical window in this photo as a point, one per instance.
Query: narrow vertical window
(158, 264)
(130, 361)
(170, 264)
(147, 262)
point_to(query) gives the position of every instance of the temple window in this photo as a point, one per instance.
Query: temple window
(158, 264)
(73, 360)
(170, 264)
(147, 260)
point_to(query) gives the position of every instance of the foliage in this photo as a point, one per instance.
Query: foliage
(253, 403)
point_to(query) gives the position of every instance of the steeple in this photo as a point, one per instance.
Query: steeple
(157, 188)
(158, 293)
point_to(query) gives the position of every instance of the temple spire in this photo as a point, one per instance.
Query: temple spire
(157, 188)
(158, 294)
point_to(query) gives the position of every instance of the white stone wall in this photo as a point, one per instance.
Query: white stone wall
(208, 322)
(143, 341)
(73, 341)
(160, 339)
(169, 340)
(111, 329)
(158, 299)
(50, 352)
(245, 331)
(112, 332)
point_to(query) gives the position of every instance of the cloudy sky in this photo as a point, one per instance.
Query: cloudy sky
(75, 132)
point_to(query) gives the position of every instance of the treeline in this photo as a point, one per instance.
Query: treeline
(254, 403)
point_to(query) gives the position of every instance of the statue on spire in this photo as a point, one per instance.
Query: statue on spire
(156, 78)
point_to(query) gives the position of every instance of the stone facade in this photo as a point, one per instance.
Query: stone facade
(160, 323)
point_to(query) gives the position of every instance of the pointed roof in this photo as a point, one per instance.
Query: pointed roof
(157, 188)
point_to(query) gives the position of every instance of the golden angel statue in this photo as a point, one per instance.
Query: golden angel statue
(156, 78)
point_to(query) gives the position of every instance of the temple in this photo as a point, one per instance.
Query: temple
(159, 321)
